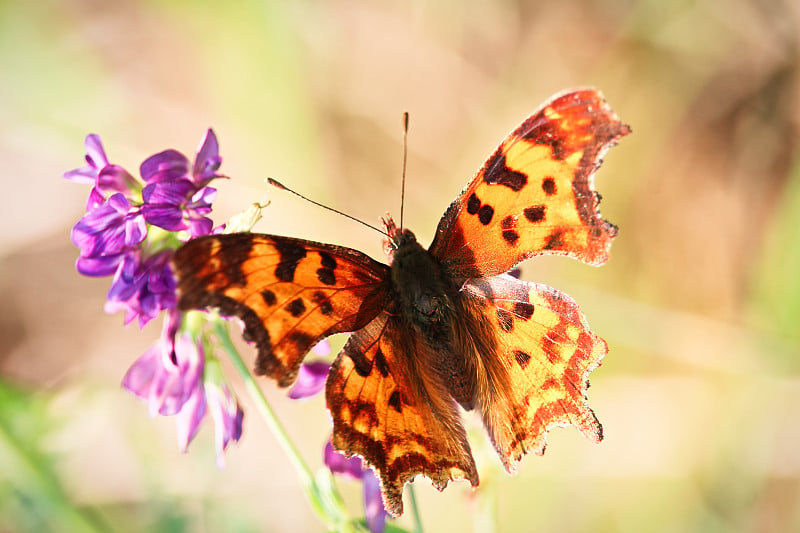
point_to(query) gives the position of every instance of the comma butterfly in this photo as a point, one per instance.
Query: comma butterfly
(442, 328)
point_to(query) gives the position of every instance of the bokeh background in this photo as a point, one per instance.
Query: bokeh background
(699, 303)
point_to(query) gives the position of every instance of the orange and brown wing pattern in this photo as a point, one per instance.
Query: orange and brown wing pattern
(535, 194)
(539, 373)
(395, 415)
(290, 293)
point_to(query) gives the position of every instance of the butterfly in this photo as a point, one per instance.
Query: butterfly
(441, 330)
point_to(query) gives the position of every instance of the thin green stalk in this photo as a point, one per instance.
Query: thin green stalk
(415, 509)
(327, 505)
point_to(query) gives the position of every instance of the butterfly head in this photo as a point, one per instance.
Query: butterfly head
(395, 237)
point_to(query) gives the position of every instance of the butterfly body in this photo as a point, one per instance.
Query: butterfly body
(444, 327)
(428, 302)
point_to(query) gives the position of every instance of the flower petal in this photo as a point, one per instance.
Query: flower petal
(227, 415)
(310, 380)
(165, 166)
(339, 464)
(139, 377)
(95, 154)
(95, 158)
(189, 418)
(208, 160)
(374, 512)
(114, 178)
(97, 267)
(164, 216)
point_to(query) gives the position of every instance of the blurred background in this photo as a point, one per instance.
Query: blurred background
(699, 303)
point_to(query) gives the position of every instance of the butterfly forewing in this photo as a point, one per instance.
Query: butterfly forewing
(290, 293)
(535, 194)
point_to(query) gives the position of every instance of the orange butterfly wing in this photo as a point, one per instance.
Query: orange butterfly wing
(538, 372)
(535, 194)
(388, 409)
(290, 293)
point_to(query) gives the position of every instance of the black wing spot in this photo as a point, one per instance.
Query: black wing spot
(473, 204)
(497, 173)
(324, 303)
(380, 362)
(291, 254)
(523, 310)
(485, 214)
(362, 365)
(535, 213)
(395, 402)
(555, 241)
(522, 358)
(296, 307)
(505, 319)
(327, 274)
(549, 186)
(510, 236)
(269, 297)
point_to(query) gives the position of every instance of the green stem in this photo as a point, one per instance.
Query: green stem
(327, 506)
(415, 509)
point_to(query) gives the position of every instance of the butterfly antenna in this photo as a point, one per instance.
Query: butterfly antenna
(405, 159)
(283, 187)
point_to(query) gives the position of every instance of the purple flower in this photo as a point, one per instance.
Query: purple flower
(112, 235)
(105, 233)
(171, 165)
(142, 287)
(104, 177)
(353, 467)
(227, 416)
(176, 196)
(310, 380)
(312, 376)
(177, 205)
(169, 372)
(174, 378)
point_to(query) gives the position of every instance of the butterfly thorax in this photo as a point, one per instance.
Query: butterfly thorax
(420, 288)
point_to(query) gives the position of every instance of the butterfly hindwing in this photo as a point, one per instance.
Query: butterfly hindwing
(538, 374)
(390, 411)
(535, 194)
(290, 293)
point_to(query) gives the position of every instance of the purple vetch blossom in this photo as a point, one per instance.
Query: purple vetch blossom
(176, 196)
(179, 205)
(310, 379)
(169, 372)
(116, 238)
(174, 378)
(104, 177)
(227, 415)
(312, 376)
(142, 287)
(113, 236)
(352, 467)
(105, 233)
